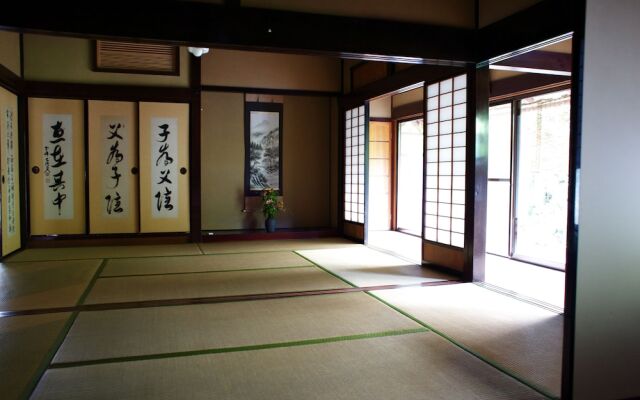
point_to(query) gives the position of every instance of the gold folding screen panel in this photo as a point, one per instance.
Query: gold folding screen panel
(10, 177)
(113, 167)
(164, 163)
(56, 166)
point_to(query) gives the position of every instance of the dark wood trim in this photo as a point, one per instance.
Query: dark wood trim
(353, 239)
(211, 25)
(107, 92)
(393, 177)
(279, 234)
(23, 143)
(213, 299)
(539, 60)
(476, 171)
(366, 171)
(423, 217)
(250, 106)
(397, 83)
(87, 209)
(96, 68)
(195, 155)
(280, 92)
(106, 239)
(341, 76)
(573, 228)
(538, 23)
(408, 110)
(380, 119)
(10, 81)
(341, 163)
(527, 85)
(21, 56)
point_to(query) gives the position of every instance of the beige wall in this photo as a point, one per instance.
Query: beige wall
(408, 97)
(63, 59)
(494, 10)
(607, 322)
(308, 176)
(270, 70)
(380, 107)
(10, 51)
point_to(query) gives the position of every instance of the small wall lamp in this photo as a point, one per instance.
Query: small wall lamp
(198, 51)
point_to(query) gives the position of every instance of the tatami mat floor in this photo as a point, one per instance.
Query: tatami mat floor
(304, 321)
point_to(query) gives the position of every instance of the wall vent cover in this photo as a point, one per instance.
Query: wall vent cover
(141, 58)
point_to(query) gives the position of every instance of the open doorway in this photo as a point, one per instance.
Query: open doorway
(395, 176)
(528, 173)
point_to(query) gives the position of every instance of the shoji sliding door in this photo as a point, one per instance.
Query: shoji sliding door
(56, 166)
(164, 162)
(9, 171)
(355, 137)
(445, 169)
(113, 167)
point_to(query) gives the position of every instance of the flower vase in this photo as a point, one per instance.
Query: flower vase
(270, 224)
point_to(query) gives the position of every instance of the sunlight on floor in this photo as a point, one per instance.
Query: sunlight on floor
(398, 243)
(542, 284)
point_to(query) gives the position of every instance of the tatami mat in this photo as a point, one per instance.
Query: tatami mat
(78, 253)
(412, 366)
(217, 262)
(44, 284)
(523, 338)
(156, 287)
(212, 326)
(275, 245)
(25, 343)
(363, 266)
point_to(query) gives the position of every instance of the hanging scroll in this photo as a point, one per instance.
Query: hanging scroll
(9, 166)
(163, 165)
(113, 161)
(164, 162)
(57, 161)
(56, 158)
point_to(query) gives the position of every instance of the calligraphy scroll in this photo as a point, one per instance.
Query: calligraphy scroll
(164, 167)
(115, 167)
(164, 164)
(56, 166)
(57, 162)
(9, 152)
(9, 166)
(113, 162)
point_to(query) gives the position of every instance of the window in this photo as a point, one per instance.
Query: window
(446, 110)
(354, 165)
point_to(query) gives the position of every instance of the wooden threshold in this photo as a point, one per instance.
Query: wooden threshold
(210, 300)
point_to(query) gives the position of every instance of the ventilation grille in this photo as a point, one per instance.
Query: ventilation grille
(136, 57)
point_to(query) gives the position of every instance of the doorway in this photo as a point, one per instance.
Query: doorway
(528, 175)
(395, 177)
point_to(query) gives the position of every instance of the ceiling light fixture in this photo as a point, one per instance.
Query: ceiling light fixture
(198, 51)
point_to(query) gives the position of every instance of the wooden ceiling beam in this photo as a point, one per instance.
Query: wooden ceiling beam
(210, 25)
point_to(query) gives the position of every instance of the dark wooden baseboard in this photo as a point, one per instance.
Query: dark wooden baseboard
(106, 240)
(226, 236)
(442, 268)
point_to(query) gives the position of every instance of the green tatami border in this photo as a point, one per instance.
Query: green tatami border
(46, 361)
(221, 350)
(492, 363)
(205, 272)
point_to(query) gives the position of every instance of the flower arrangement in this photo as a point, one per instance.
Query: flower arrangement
(270, 203)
